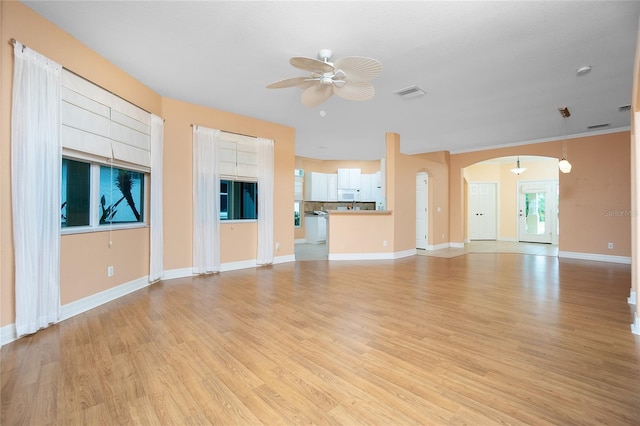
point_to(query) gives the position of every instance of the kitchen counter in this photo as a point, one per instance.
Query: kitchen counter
(360, 212)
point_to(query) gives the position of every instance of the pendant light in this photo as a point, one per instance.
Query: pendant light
(517, 169)
(564, 165)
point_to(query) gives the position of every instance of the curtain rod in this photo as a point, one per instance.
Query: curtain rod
(233, 133)
(13, 42)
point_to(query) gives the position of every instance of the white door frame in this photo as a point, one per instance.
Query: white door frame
(422, 216)
(471, 214)
(550, 234)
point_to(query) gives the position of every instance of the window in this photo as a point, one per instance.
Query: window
(75, 193)
(94, 195)
(121, 195)
(238, 200)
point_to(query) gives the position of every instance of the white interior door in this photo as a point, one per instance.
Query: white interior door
(483, 211)
(538, 212)
(422, 214)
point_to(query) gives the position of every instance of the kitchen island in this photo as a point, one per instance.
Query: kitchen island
(360, 234)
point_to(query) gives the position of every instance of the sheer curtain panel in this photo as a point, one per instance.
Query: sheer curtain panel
(156, 266)
(265, 203)
(36, 157)
(206, 201)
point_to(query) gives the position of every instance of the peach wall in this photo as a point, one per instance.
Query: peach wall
(360, 233)
(83, 265)
(236, 244)
(332, 166)
(89, 274)
(597, 187)
(401, 190)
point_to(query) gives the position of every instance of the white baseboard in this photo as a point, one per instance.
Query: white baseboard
(632, 297)
(8, 334)
(284, 259)
(372, 256)
(441, 246)
(595, 257)
(456, 245)
(635, 327)
(79, 306)
(172, 274)
(508, 239)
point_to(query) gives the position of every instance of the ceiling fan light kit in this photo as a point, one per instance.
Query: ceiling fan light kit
(348, 78)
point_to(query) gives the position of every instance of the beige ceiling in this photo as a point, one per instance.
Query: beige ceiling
(494, 72)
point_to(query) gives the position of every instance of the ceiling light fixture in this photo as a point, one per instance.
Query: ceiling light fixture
(517, 169)
(564, 165)
(582, 71)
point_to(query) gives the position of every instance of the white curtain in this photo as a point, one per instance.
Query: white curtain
(265, 202)
(206, 201)
(156, 266)
(36, 157)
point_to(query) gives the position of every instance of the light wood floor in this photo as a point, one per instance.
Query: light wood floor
(475, 339)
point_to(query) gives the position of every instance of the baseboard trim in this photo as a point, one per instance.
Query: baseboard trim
(456, 245)
(372, 256)
(441, 246)
(632, 297)
(635, 327)
(8, 334)
(172, 274)
(595, 257)
(284, 259)
(82, 305)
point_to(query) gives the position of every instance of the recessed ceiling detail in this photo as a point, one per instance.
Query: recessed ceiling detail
(598, 126)
(410, 92)
(582, 71)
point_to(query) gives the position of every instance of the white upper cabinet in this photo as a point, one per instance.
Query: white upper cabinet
(348, 178)
(332, 187)
(316, 187)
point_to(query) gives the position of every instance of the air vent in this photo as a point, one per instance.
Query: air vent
(410, 92)
(598, 126)
(624, 108)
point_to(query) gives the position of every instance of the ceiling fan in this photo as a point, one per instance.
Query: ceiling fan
(348, 77)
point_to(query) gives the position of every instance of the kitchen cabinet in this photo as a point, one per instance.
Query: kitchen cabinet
(349, 178)
(369, 187)
(332, 187)
(315, 229)
(315, 187)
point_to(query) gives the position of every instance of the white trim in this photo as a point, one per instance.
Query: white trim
(632, 297)
(372, 256)
(177, 273)
(635, 327)
(300, 241)
(242, 264)
(284, 259)
(456, 245)
(508, 239)
(82, 305)
(8, 334)
(440, 246)
(596, 257)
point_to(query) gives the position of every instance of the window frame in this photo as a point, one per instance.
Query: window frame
(229, 195)
(94, 195)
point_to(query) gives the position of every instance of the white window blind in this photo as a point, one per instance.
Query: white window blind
(99, 123)
(238, 156)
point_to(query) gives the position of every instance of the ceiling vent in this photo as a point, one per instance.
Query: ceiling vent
(598, 126)
(624, 108)
(410, 92)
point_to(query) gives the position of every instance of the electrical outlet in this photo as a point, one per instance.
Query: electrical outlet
(109, 271)
(610, 245)
(384, 243)
(277, 246)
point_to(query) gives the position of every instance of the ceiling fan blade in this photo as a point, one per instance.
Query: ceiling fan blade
(310, 64)
(355, 91)
(359, 68)
(289, 82)
(316, 94)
